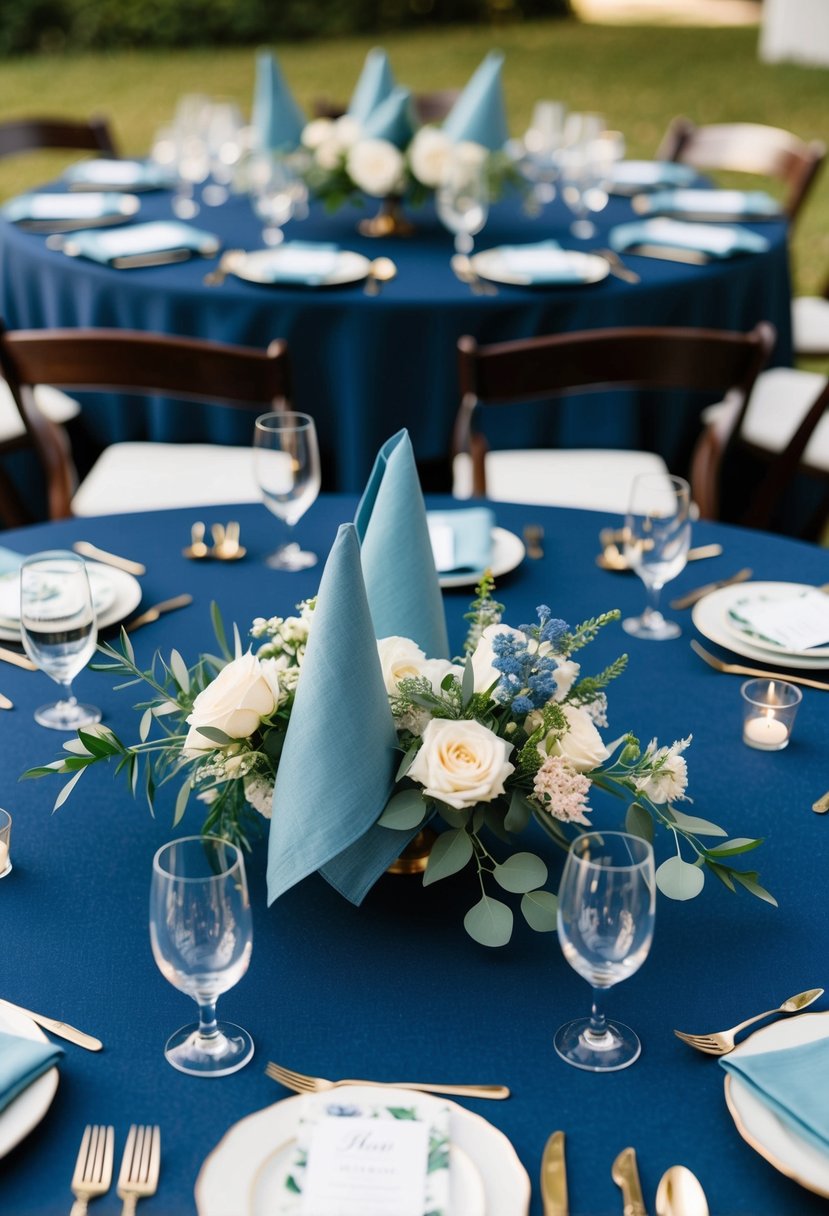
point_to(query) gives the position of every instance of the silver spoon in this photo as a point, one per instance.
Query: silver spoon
(679, 1194)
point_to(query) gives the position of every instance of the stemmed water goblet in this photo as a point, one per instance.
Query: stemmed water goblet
(657, 535)
(201, 937)
(59, 630)
(606, 910)
(287, 468)
(275, 193)
(542, 141)
(224, 138)
(462, 197)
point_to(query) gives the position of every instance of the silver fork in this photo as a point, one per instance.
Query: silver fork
(304, 1084)
(93, 1168)
(140, 1166)
(720, 1042)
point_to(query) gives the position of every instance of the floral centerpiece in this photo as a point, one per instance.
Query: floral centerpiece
(507, 734)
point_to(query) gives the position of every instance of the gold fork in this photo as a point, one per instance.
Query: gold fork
(140, 1166)
(720, 1042)
(304, 1084)
(734, 669)
(93, 1168)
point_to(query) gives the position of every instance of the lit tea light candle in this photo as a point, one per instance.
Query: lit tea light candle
(769, 708)
(767, 731)
(4, 857)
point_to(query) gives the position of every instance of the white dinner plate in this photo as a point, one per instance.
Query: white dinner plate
(29, 1107)
(742, 630)
(262, 266)
(507, 552)
(119, 594)
(551, 268)
(239, 1176)
(774, 1140)
(709, 616)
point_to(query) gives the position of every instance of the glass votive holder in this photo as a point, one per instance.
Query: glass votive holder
(5, 843)
(769, 709)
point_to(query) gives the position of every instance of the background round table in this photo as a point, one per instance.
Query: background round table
(365, 366)
(395, 989)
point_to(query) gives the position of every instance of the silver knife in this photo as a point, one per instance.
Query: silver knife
(670, 253)
(109, 559)
(687, 601)
(554, 1177)
(62, 1029)
(152, 614)
(625, 1174)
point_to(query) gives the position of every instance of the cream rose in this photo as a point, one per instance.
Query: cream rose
(235, 702)
(400, 658)
(461, 763)
(317, 132)
(581, 745)
(429, 153)
(482, 656)
(376, 167)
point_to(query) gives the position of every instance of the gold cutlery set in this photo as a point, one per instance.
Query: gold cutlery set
(225, 547)
(679, 1192)
(140, 1166)
(721, 1042)
(62, 1029)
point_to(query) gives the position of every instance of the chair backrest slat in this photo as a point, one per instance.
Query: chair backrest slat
(27, 134)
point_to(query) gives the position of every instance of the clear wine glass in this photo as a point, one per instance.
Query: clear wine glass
(657, 535)
(462, 197)
(542, 141)
(192, 160)
(287, 466)
(224, 149)
(606, 910)
(201, 937)
(275, 193)
(59, 630)
(578, 167)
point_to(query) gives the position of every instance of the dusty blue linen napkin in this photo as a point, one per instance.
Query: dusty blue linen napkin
(157, 236)
(375, 84)
(717, 240)
(392, 119)
(339, 760)
(21, 1062)
(472, 535)
(650, 174)
(736, 204)
(793, 1083)
(276, 117)
(308, 262)
(478, 114)
(398, 565)
(81, 207)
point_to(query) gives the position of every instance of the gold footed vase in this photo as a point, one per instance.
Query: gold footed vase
(390, 220)
(415, 856)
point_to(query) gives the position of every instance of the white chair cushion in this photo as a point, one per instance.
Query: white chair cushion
(595, 480)
(781, 398)
(154, 476)
(50, 401)
(810, 325)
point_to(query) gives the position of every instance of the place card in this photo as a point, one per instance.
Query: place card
(796, 624)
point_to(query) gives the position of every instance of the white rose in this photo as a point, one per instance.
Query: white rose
(346, 130)
(272, 673)
(566, 675)
(376, 167)
(469, 153)
(482, 656)
(461, 763)
(328, 154)
(235, 702)
(400, 658)
(581, 744)
(429, 153)
(317, 132)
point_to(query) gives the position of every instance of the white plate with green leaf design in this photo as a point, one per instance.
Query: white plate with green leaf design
(709, 616)
(767, 593)
(245, 1174)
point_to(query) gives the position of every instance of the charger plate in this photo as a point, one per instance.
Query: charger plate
(243, 1174)
(29, 1107)
(779, 1144)
(709, 616)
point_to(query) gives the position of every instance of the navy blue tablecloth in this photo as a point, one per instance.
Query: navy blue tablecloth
(395, 989)
(366, 366)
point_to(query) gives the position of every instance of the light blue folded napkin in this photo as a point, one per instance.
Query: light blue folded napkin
(717, 240)
(109, 174)
(276, 118)
(737, 204)
(471, 529)
(398, 566)
(338, 763)
(158, 236)
(650, 174)
(373, 87)
(21, 1062)
(392, 119)
(793, 1083)
(534, 264)
(87, 206)
(9, 560)
(308, 262)
(479, 114)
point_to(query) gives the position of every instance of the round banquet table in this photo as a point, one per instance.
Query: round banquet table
(371, 365)
(395, 989)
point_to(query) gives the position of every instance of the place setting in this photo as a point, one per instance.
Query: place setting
(155, 243)
(780, 624)
(58, 213)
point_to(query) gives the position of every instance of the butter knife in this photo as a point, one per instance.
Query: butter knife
(625, 1174)
(822, 805)
(554, 1177)
(670, 253)
(62, 1029)
(152, 614)
(109, 559)
(692, 597)
(19, 660)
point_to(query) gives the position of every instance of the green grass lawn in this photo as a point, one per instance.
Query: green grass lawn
(638, 77)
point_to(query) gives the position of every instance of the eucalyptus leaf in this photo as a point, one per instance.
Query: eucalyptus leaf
(478, 818)
(406, 762)
(450, 853)
(98, 745)
(494, 820)
(145, 724)
(723, 873)
(455, 819)
(519, 813)
(690, 823)
(214, 734)
(181, 804)
(404, 810)
(126, 646)
(468, 683)
(731, 848)
(67, 790)
(219, 629)
(540, 909)
(639, 821)
(749, 881)
(678, 879)
(489, 922)
(520, 873)
(179, 669)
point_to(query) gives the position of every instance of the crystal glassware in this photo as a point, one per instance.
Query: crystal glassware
(579, 169)
(656, 539)
(542, 141)
(606, 910)
(275, 193)
(192, 159)
(201, 937)
(287, 466)
(224, 139)
(59, 630)
(462, 197)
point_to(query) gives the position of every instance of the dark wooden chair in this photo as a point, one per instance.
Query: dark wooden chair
(747, 147)
(139, 476)
(539, 369)
(428, 107)
(27, 134)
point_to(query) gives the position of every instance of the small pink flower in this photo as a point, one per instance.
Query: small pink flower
(562, 791)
